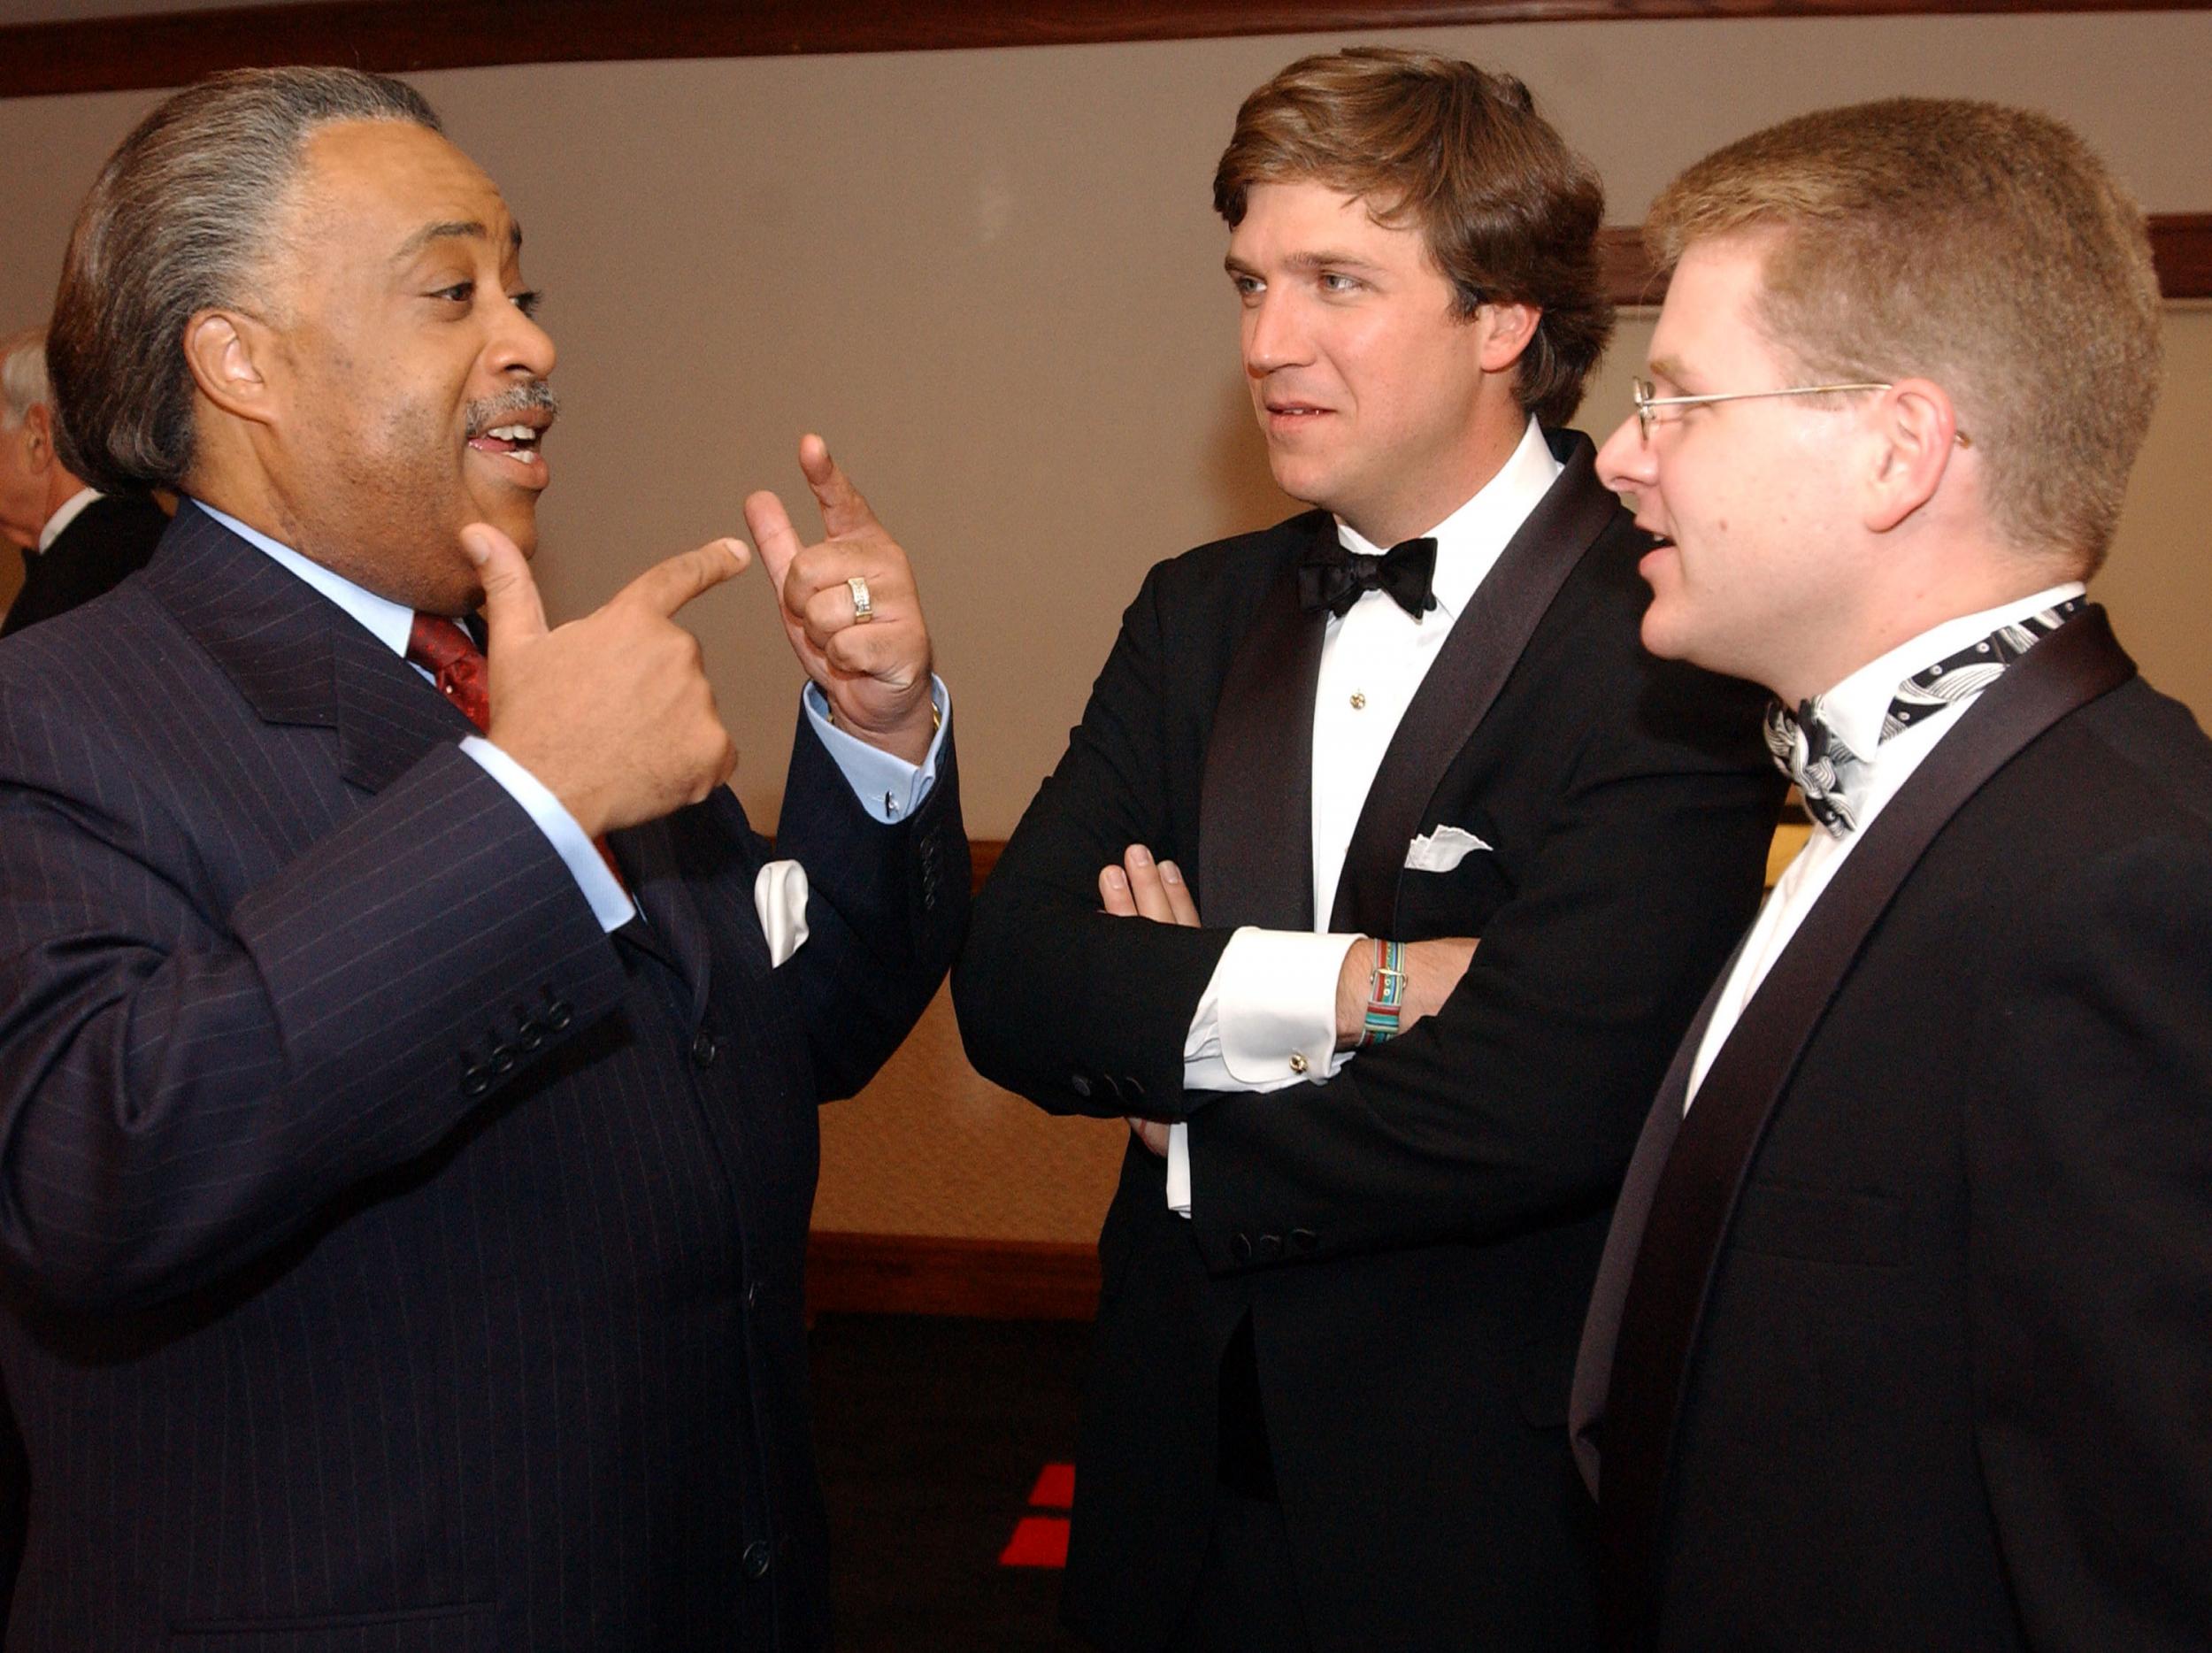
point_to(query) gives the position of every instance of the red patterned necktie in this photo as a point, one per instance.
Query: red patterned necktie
(455, 665)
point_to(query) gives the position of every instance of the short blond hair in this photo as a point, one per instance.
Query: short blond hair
(1509, 213)
(1986, 248)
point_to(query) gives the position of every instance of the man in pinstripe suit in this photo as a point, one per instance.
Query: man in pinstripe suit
(402, 1208)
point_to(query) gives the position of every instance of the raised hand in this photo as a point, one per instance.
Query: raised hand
(613, 712)
(874, 670)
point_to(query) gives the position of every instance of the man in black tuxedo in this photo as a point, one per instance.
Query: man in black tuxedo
(1901, 1338)
(1368, 1179)
(409, 1059)
(76, 541)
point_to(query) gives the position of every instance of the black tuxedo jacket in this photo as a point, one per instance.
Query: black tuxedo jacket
(1951, 1382)
(110, 540)
(1414, 1241)
(390, 1259)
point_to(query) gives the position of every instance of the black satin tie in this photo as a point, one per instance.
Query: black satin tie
(1334, 578)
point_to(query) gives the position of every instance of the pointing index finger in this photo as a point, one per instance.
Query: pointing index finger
(667, 586)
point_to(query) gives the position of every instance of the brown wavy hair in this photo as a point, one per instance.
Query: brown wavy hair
(1509, 213)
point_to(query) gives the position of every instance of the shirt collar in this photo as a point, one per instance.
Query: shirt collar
(71, 510)
(1855, 707)
(388, 622)
(1470, 541)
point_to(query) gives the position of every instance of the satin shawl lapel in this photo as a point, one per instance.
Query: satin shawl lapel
(1461, 686)
(1601, 1325)
(1696, 1192)
(1255, 812)
(296, 656)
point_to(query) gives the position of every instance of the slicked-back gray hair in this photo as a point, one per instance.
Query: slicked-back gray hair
(22, 375)
(182, 219)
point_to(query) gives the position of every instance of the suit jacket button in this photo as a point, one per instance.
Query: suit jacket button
(1271, 1246)
(1303, 1239)
(758, 1558)
(1081, 1086)
(704, 1049)
(558, 1015)
(1240, 1247)
(1131, 1086)
(504, 1059)
(475, 1081)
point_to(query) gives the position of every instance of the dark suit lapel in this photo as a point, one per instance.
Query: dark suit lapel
(1696, 1192)
(1461, 686)
(1255, 812)
(296, 656)
(672, 928)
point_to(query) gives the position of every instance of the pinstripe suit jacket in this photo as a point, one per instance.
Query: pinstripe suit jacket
(389, 1259)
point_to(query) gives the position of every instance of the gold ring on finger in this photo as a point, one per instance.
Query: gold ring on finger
(863, 606)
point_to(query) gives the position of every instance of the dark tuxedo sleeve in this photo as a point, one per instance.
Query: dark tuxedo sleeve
(1518, 1104)
(1079, 1012)
(2089, 1172)
(182, 1088)
(886, 908)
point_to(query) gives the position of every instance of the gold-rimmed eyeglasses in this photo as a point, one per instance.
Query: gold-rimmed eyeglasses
(1647, 406)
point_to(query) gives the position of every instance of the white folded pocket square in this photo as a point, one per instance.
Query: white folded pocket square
(780, 898)
(1441, 850)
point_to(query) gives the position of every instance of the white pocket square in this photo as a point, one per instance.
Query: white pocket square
(780, 898)
(1441, 850)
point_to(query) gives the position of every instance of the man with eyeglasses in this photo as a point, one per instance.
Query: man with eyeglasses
(1903, 1336)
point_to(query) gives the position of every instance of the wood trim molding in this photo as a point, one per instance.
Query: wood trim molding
(170, 48)
(983, 1280)
(2181, 246)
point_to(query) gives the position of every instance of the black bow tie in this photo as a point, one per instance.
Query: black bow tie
(1333, 578)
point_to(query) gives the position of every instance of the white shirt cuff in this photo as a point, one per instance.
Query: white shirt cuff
(610, 903)
(889, 787)
(1268, 1016)
(1267, 1020)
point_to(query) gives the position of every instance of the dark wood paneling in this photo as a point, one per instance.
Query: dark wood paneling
(2182, 243)
(122, 53)
(985, 1279)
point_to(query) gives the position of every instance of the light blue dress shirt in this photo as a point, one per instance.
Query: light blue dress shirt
(886, 786)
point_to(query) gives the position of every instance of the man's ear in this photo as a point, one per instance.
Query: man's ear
(1916, 435)
(38, 438)
(1507, 330)
(232, 356)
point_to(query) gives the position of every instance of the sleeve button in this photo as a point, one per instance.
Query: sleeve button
(1297, 1062)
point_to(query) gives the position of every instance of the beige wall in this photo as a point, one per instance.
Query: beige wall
(992, 279)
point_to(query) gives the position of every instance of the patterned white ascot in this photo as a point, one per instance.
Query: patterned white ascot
(1832, 777)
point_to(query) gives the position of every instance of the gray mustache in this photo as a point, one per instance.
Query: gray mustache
(522, 399)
